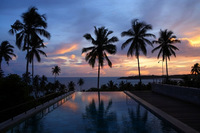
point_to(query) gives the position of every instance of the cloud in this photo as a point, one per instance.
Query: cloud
(63, 49)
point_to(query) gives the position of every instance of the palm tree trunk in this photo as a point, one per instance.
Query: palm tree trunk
(0, 63)
(98, 76)
(166, 71)
(139, 69)
(32, 69)
(98, 83)
(27, 60)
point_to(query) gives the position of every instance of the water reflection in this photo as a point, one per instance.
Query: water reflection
(100, 119)
(136, 121)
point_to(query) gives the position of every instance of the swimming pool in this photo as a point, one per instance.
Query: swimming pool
(88, 112)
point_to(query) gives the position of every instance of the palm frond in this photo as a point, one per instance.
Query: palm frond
(126, 43)
(109, 62)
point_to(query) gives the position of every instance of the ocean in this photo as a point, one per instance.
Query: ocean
(90, 82)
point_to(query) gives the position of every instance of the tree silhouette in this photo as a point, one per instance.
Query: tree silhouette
(111, 85)
(56, 71)
(43, 83)
(101, 46)
(26, 77)
(195, 69)
(33, 25)
(71, 86)
(138, 40)
(35, 52)
(6, 51)
(165, 42)
(80, 83)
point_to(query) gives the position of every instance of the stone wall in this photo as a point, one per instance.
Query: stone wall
(191, 95)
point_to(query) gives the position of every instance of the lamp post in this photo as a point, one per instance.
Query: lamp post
(162, 68)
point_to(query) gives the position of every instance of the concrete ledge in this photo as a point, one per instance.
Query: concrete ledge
(17, 119)
(176, 123)
(187, 94)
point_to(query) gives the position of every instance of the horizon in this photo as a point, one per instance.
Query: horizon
(68, 21)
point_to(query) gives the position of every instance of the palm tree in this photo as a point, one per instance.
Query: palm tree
(111, 85)
(6, 51)
(165, 41)
(138, 40)
(195, 69)
(43, 83)
(101, 46)
(33, 25)
(71, 86)
(56, 71)
(80, 83)
(35, 52)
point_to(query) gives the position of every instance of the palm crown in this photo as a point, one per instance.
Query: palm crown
(56, 70)
(195, 69)
(6, 51)
(166, 40)
(138, 38)
(102, 44)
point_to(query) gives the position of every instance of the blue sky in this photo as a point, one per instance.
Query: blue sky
(69, 20)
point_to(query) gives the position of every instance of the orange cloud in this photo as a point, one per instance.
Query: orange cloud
(193, 41)
(66, 50)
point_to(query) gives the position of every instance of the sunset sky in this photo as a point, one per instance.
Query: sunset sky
(69, 20)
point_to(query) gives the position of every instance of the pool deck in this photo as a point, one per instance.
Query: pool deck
(185, 116)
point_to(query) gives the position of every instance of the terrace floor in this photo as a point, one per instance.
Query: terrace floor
(187, 113)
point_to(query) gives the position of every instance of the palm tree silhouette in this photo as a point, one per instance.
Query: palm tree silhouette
(111, 85)
(33, 25)
(35, 52)
(56, 71)
(165, 42)
(195, 69)
(102, 45)
(138, 40)
(80, 83)
(71, 86)
(6, 51)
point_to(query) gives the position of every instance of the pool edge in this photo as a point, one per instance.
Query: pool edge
(173, 121)
(4, 126)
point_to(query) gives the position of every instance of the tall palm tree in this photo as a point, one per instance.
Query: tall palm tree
(56, 71)
(166, 47)
(138, 40)
(33, 24)
(6, 51)
(80, 83)
(195, 69)
(101, 46)
(35, 52)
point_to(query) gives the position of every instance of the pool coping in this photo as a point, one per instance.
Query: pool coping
(173, 121)
(19, 118)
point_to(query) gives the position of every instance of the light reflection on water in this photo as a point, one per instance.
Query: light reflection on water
(84, 112)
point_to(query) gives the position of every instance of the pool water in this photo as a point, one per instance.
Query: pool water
(90, 112)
